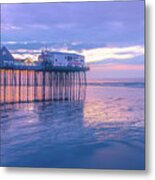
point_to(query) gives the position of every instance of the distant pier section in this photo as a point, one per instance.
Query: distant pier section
(54, 76)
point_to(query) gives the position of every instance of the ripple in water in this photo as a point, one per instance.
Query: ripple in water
(104, 131)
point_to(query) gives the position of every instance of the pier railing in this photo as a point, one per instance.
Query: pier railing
(46, 68)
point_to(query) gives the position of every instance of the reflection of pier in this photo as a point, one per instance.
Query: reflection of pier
(27, 84)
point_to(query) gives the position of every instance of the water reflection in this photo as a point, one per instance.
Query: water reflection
(42, 128)
(104, 131)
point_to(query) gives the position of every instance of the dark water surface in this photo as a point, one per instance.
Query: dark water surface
(106, 130)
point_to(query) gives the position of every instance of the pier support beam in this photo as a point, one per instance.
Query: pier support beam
(32, 85)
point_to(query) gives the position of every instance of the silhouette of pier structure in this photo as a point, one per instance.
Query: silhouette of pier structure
(40, 83)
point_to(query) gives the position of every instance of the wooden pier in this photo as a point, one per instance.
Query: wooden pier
(26, 84)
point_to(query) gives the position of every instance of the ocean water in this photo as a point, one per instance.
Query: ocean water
(104, 130)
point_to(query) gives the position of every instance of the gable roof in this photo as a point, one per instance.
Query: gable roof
(5, 54)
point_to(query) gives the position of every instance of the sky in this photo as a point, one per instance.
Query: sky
(109, 34)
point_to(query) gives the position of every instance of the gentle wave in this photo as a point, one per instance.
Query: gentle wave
(118, 84)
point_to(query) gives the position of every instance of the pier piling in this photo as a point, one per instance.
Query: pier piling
(27, 85)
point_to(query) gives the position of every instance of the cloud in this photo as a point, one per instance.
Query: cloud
(119, 53)
(9, 42)
(26, 55)
(8, 27)
(64, 26)
(89, 22)
(95, 55)
(117, 67)
(38, 26)
(25, 51)
(103, 71)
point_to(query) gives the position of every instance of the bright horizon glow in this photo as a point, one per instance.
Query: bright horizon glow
(91, 55)
(119, 53)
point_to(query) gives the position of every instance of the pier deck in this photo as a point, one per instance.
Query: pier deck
(52, 68)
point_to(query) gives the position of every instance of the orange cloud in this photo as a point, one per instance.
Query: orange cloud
(106, 67)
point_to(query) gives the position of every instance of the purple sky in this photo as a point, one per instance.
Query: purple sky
(105, 32)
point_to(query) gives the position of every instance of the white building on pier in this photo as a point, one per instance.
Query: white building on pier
(62, 59)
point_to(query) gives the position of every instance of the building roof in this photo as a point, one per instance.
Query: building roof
(62, 53)
(5, 54)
